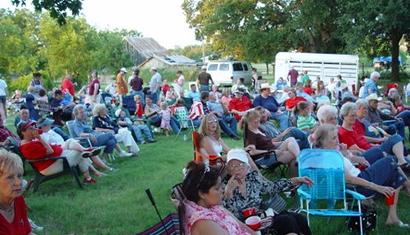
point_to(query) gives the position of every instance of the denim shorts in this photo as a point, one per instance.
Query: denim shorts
(383, 172)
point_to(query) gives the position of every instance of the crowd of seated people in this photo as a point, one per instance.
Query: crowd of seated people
(275, 131)
(375, 156)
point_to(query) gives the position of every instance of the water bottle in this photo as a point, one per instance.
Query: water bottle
(184, 137)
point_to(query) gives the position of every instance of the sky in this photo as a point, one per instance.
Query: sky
(162, 20)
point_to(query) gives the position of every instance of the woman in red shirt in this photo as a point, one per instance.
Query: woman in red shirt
(33, 147)
(293, 100)
(356, 141)
(13, 209)
(239, 104)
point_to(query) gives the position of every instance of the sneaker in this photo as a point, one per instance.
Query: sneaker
(89, 180)
(35, 227)
(151, 141)
(125, 154)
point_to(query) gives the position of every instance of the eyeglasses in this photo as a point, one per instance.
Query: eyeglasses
(240, 165)
(212, 121)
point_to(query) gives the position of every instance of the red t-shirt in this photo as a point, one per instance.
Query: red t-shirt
(308, 90)
(292, 102)
(240, 105)
(139, 109)
(353, 138)
(359, 128)
(91, 86)
(165, 88)
(35, 150)
(68, 85)
(20, 224)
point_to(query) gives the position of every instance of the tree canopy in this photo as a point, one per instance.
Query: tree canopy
(58, 8)
(35, 42)
(258, 29)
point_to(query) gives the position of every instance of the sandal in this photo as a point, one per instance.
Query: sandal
(405, 167)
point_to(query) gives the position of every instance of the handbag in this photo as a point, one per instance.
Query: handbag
(369, 219)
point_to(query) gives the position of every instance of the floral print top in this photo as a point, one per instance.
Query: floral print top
(256, 187)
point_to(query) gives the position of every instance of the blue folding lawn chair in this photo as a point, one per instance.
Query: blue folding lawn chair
(326, 169)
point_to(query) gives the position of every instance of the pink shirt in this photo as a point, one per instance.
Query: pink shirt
(217, 214)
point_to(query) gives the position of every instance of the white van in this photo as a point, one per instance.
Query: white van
(222, 72)
(324, 65)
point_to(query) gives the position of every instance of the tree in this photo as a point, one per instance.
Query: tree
(258, 29)
(374, 23)
(58, 8)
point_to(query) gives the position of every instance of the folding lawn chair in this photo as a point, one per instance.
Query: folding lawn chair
(181, 114)
(326, 169)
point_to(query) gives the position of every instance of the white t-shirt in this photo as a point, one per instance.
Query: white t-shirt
(3, 87)
(52, 137)
(349, 168)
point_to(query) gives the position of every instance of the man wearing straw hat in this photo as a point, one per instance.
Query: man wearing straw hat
(269, 102)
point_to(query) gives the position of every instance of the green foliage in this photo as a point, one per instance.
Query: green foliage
(58, 8)
(20, 83)
(32, 42)
(190, 74)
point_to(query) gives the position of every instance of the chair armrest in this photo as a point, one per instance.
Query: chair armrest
(355, 195)
(46, 159)
(303, 194)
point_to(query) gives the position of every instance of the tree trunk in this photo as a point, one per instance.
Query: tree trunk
(267, 68)
(395, 67)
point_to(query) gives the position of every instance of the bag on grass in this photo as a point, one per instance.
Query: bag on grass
(369, 219)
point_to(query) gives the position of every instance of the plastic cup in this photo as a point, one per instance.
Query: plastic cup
(390, 199)
(249, 212)
(254, 222)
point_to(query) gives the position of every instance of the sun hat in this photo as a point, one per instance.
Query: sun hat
(203, 67)
(237, 154)
(44, 122)
(373, 96)
(123, 70)
(265, 86)
(117, 113)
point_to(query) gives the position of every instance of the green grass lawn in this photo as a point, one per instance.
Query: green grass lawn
(118, 203)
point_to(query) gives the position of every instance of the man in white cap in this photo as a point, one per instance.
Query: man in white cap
(155, 85)
(203, 80)
(269, 102)
(370, 86)
(390, 124)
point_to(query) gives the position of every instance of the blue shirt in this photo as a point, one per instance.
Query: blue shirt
(216, 107)
(79, 127)
(369, 88)
(195, 96)
(268, 103)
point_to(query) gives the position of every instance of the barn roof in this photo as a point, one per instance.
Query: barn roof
(147, 47)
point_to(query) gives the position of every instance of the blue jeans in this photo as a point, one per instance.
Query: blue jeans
(155, 96)
(142, 128)
(106, 139)
(282, 118)
(174, 125)
(140, 94)
(228, 125)
(387, 146)
(300, 137)
(203, 88)
(405, 115)
(382, 172)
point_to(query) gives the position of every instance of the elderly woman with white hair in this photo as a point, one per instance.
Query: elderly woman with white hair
(327, 114)
(350, 135)
(103, 123)
(244, 188)
(370, 86)
(13, 209)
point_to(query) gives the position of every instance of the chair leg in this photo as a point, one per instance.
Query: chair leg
(75, 174)
(36, 183)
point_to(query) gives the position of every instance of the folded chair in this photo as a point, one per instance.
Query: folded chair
(67, 169)
(325, 168)
(181, 114)
(213, 160)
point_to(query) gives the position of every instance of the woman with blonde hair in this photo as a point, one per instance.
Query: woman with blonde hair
(211, 142)
(13, 209)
